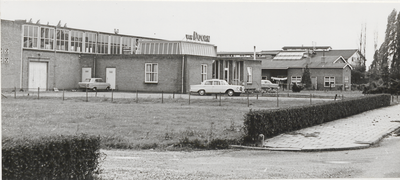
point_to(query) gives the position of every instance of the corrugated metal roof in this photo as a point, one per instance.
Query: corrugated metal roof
(177, 47)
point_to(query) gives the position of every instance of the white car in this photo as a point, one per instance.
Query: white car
(212, 86)
(94, 84)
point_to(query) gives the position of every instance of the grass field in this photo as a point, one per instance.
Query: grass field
(126, 124)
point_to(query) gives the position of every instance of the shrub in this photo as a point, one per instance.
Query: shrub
(218, 144)
(297, 88)
(56, 157)
(274, 122)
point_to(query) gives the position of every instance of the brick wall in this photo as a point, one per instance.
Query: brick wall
(339, 75)
(256, 67)
(130, 71)
(193, 69)
(11, 43)
(63, 69)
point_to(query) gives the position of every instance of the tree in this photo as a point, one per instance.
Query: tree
(383, 58)
(306, 78)
(395, 64)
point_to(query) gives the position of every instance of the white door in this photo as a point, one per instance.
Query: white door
(37, 76)
(86, 73)
(110, 77)
(314, 82)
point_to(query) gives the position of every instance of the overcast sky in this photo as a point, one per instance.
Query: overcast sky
(232, 26)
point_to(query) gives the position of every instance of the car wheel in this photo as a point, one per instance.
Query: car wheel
(230, 92)
(94, 89)
(202, 92)
(108, 88)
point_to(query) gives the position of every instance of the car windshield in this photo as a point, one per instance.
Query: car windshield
(87, 80)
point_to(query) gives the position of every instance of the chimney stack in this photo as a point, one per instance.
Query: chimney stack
(254, 52)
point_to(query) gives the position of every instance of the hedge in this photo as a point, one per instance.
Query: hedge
(274, 122)
(55, 157)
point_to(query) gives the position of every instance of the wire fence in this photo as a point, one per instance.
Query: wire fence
(258, 99)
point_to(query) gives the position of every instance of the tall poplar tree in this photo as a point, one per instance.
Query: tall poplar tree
(386, 54)
(395, 65)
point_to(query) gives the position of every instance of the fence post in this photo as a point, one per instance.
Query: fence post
(335, 96)
(397, 97)
(96, 93)
(173, 95)
(310, 98)
(38, 89)
(257, 96)
(342, 97)
(86, 94)
(63, 94)
(137, 97)
(248, 101)
(15, 92)
(112, 95)
(189, 97)
(277, 99)
(220, 94)
(162, 97)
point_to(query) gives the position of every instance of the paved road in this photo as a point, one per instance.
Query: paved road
(358, 131)
(380, 161)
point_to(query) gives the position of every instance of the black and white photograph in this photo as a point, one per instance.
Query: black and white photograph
(200, 89)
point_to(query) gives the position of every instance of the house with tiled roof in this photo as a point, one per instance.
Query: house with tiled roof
(329, 69)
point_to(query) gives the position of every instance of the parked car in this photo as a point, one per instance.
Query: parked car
(268, 85)
(216, 86)
(94, 84)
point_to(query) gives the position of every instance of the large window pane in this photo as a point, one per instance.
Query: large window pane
(102, 44)
(90, 42)
(151, 73)
(62, 39)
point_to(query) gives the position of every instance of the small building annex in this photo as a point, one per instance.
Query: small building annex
(328, 70)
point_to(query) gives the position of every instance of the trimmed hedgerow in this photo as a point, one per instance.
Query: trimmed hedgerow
(55, 157)
(274, 122)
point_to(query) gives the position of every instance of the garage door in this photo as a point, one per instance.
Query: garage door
(37, 76)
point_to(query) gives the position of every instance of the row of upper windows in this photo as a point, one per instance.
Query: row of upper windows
(48, 38)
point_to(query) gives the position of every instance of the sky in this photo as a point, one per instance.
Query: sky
(231, 25)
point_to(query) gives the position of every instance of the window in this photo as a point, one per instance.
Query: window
(62, 39)
(151, 72)
(346, 79)
(31, 36)
(296, 79)
(115, 44)
(203, 72)
(329, 82)
(76, 41)
(126, 45)
(90, 42)
(208, 83)
(249, 75)
(216, 83)
(46, 38)
(102, 44)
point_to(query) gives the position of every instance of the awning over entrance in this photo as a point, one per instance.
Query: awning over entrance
(279, 79)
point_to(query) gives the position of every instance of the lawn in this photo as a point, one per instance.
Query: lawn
(124, 123)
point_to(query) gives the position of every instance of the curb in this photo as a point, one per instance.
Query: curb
(356, 147)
